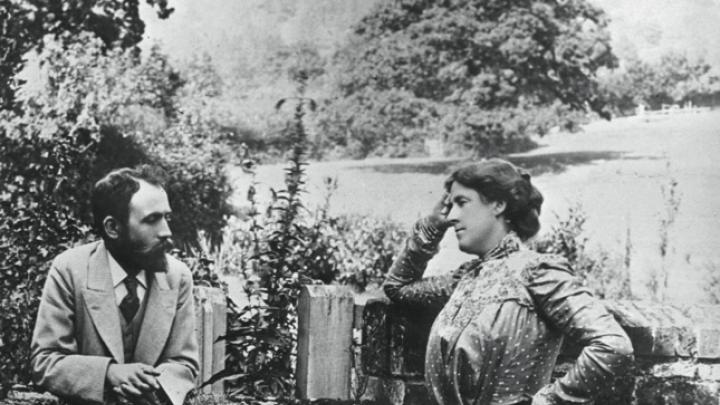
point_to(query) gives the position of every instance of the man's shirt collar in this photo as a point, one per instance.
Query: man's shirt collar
(118, 274)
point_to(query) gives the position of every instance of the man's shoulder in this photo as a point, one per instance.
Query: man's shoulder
(177, 268)
(75, 255)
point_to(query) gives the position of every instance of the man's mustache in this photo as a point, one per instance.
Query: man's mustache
(164, 246)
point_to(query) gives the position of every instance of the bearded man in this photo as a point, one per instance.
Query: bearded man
(116, 318)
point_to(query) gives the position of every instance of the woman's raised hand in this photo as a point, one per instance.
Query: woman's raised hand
(439, 215)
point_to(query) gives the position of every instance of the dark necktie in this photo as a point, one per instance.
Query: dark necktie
(130, 304)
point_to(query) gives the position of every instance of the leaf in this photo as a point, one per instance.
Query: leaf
(280, 103)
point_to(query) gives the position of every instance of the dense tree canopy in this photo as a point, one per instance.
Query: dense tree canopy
(511, 57)
(24, 24)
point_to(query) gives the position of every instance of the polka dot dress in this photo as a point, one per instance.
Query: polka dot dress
(502, 324)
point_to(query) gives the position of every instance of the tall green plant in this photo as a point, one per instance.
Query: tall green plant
(262, 334)
(660, 276)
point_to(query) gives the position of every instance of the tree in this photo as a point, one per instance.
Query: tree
(673, 79)
(506, 57)
(94, 111)
(25, 23)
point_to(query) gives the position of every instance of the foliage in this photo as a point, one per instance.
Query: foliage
(275, 252)
(599, 271)
(25, 24)
(712, 282)
(261, 335)
(673, 79)
(131, 107)
(388, 123)
(486, 64)
(365, 248)
(38, 220)
(88, 116)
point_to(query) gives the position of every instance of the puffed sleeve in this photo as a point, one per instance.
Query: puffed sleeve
(606, 348)
(404, 283)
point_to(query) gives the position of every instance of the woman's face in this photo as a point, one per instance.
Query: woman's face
(479, 225)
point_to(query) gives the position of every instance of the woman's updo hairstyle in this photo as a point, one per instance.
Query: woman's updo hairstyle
(498, 180)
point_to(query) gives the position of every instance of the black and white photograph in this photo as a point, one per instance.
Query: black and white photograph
(359, 202)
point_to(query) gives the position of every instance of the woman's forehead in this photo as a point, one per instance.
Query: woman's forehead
(457, 190)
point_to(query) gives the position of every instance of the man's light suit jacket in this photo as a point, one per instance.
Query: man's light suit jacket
(77, 333)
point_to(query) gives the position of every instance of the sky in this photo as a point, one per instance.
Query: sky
(233, 31)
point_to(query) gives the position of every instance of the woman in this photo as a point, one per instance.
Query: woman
(497, 338)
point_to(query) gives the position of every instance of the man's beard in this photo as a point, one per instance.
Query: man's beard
(134, 257)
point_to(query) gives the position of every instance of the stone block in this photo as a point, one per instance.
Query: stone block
(653, 390)
(394, 339)
(409, 331)
(708, 345)
(375, 339)
(687, 369)
(393, 391)
(654, 329)
(619, 392)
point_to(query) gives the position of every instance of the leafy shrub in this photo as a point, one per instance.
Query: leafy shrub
(392, 123)
(603, 274)
(38, 220)
(365, 248)
(69, 132)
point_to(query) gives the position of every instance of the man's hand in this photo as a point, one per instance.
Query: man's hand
(133, 380)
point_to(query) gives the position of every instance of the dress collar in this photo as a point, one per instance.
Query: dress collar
(510, 243)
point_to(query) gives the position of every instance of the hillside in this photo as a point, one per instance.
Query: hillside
(240, 32)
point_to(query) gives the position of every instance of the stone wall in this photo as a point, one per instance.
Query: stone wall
(677, 351)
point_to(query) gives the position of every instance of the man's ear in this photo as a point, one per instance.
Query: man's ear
(111, 227)
(498, 207)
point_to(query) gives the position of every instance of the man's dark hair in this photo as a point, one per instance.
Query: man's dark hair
(111, 195)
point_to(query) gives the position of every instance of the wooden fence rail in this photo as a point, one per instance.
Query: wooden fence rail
(210, 323)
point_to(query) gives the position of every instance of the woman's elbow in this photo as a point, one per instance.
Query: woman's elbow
(625, 347)
(621, 347)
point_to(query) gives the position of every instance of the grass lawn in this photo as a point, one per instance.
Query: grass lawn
(615, 169)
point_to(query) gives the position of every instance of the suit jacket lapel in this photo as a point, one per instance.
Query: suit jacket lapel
(158, 319)
(100, 300)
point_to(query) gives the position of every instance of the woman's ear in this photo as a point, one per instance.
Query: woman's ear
(111, 227)
(498, 207)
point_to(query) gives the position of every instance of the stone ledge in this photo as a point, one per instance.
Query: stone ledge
(653, 390)
(389, 391)
(670, 330)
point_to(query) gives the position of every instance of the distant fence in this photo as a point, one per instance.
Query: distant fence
(360, 349)
(670, 109)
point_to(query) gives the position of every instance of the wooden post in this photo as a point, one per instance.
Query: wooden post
(210, 323)
(325, 322)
